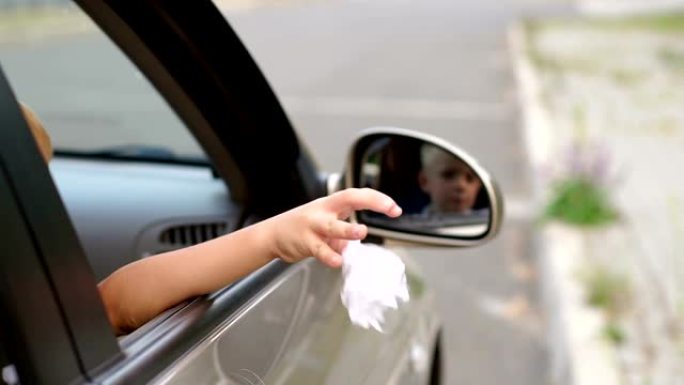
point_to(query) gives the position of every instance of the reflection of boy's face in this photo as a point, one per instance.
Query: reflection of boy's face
(451, 184)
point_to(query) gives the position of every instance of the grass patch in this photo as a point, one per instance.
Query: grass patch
(416, 284)
(607, 290)
(578, 201)
(673, 59)
(29, 21)
(610, 292)
(533, 29)
(28, 17)
(627, 78)
(614, 333)
(662, 23)
(665, 23)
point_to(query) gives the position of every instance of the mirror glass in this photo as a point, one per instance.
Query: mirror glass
(440, 193)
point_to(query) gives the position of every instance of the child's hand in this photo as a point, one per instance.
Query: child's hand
(319, 229)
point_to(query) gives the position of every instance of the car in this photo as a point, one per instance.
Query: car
(69, 224)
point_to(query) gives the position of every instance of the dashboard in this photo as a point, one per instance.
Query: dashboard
(126, 210)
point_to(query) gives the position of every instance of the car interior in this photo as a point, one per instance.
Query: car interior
(154, 207)
(129, 194)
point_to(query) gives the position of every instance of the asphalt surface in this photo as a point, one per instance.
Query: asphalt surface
(437, 66)
(441, 67)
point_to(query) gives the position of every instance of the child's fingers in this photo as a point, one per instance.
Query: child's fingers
(338, 245)
(324, 253)
(334, 228)
(364, 199)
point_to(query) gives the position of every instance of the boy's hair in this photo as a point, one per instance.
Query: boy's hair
(38, 132)
(428, 153)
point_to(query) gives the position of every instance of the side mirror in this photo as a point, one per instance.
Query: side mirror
(446, 196)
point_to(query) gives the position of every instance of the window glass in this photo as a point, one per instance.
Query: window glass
(93, 101)
(89, 96)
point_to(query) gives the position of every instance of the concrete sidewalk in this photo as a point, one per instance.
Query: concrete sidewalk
(618, 83)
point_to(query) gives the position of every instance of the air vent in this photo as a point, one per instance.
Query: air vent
(192, 234)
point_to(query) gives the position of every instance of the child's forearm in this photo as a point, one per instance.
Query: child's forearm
(137, 292)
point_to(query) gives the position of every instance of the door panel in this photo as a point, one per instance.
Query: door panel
(327, 349)
(296, 331)
(245, 348)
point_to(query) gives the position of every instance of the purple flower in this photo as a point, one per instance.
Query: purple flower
(590, 161)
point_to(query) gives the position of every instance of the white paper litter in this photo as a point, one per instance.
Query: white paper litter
(374, 281)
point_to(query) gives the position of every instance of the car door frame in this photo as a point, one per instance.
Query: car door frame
(198, 64)
(46, 280)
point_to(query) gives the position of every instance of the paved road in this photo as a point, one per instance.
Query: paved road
(439, 66)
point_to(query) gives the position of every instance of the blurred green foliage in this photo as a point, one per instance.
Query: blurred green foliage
(416, 284)
(672, 22)
(578, 201)
(666, 22)
(614, 333)
(607, 290)
(674, 59)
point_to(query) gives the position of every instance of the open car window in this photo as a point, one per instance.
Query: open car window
(137, 200)
(134, 180)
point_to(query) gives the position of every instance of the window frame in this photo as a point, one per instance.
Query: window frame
(198, 64)
(42, 260)
(192, 56)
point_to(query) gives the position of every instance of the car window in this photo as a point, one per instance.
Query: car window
(93, 101)
(89, 96)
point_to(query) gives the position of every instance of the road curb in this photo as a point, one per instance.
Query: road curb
(577, 354)
(31, 25)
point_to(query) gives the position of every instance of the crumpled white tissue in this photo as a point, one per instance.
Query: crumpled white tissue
(374, 281)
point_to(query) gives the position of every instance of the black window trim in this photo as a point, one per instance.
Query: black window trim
(30, 312)
(46, 264)
(197, 62)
